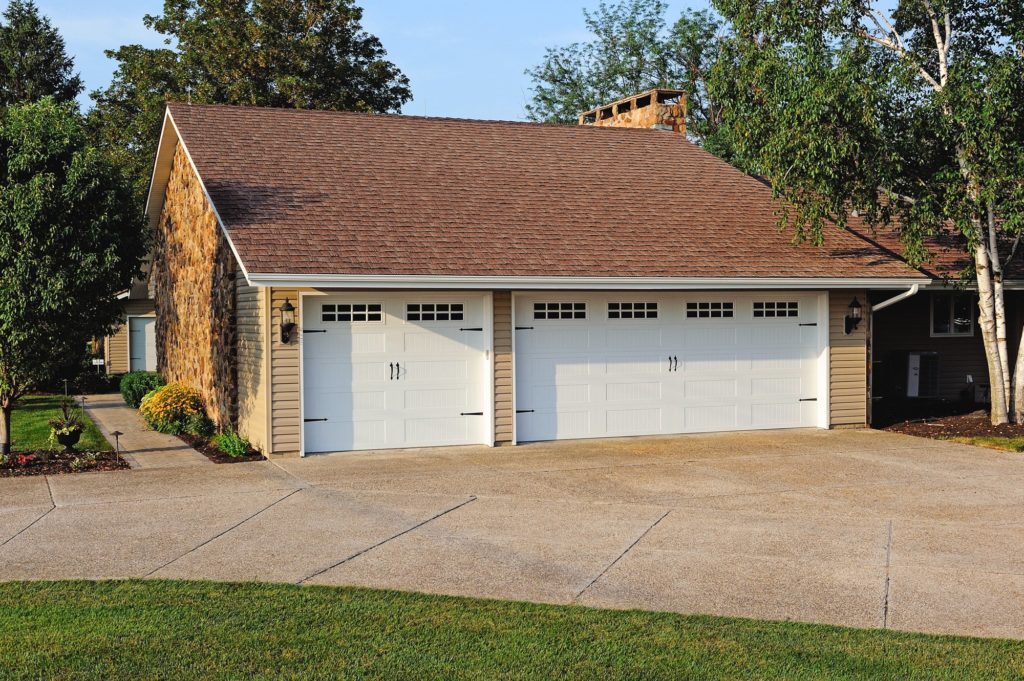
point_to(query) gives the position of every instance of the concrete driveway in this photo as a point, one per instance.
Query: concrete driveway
(853, 528)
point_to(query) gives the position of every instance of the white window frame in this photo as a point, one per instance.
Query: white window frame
(951, 334)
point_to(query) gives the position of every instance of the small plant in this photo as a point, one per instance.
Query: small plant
(200, 426)
(137, 384)
(78, 464)
(24, 459)
(232, 444)
(66, 429)
(173, 409)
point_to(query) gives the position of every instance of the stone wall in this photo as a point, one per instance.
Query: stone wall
(194, 281)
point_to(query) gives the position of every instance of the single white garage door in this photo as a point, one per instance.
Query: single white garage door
(394, 370)
(612, 364)
(142, 343)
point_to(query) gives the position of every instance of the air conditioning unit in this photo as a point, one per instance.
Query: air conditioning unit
(923, 374)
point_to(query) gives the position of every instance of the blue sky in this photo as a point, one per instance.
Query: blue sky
(464, 59)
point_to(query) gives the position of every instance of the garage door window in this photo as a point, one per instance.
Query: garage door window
(352, 312)
(708, 310)
(776, 309)
(559, 310)
(434, 312)
(632, 310)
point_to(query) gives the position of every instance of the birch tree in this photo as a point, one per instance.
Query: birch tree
(912, 118)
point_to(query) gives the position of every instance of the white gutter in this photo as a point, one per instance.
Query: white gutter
(895, 299)
(573, 283)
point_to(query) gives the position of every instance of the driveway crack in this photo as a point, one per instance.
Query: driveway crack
(221, 534)
(621, 556)
(888, 578)
(385, 541)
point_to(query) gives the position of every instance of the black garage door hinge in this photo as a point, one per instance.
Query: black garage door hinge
(809, 399)
(524, 411)
(811, 324)
(472, 413)
(313, 420)
(314, 331)
(524, 328)
(475, 328)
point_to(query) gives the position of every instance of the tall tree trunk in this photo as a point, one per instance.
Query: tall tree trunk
(1000, 306)
(5, 429)
(1018, 384)
(987, 319)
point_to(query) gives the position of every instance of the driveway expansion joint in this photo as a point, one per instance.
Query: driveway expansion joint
(888, 577)
(620, 557)
(221, 534)
(385, 541)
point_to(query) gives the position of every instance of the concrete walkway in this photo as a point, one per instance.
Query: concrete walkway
(854, 528)
(141, 447)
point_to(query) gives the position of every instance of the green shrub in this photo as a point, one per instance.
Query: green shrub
(135, 386)
(232, 444)
(172, 409)
(200, 426)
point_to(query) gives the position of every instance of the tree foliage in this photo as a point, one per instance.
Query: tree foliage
(912, 118)
(33, 60)
(632, 49)
(69, 243)
(310, 54)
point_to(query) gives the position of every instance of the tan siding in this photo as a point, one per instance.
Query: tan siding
(285, 416)
(503, 367)
(253, 394)
(848, 362)
(117, 343)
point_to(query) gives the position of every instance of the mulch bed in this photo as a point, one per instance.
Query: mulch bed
(59, 463)
(211, 452)
(976, 424)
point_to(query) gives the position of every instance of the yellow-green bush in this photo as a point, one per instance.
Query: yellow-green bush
(175, 408)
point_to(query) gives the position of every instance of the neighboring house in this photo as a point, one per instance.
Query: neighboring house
(132, 346)
(472, 282)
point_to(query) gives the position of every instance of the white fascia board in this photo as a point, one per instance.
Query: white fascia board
(572, 283)
(153, 211)
(209, 200)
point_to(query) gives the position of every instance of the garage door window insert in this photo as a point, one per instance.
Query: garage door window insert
(559, 310)
(632, 310)
(434, 312)
(708, 310)
(352, 312)
(766, 310)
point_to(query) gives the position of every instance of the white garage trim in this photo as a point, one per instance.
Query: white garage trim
(590, 377)
(448, 363)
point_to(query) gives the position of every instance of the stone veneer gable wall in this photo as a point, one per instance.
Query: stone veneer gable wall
(194, 280)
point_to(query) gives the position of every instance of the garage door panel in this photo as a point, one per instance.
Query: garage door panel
(435, 342)
(740, 372)
(432, 398)
(437, 431)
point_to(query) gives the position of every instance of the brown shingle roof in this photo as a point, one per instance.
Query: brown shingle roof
(307, 192)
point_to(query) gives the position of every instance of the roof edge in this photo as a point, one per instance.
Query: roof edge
(576, 283)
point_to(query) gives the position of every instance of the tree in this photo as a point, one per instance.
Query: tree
(308, 54)
(912, 118)
(69, 242)
(632, 50)
(33, 61)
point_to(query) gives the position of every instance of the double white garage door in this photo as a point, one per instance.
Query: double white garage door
(387, 370)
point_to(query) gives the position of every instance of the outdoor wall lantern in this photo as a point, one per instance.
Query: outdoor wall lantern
(853, 317)
(287, 321)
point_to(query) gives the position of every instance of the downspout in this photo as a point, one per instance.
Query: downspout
(909, 293)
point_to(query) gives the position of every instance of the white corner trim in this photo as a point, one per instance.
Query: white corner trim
(573, 283)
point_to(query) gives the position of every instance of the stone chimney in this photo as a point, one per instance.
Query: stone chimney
(658, 109)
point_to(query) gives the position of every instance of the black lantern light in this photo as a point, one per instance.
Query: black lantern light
(287, 321)
(854, 316)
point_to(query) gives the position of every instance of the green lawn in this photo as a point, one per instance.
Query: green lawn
(200, 630)
(30, 428)
(1010, 444)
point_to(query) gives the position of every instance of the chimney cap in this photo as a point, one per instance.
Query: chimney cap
(657, 96)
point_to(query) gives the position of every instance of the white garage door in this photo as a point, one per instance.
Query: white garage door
(142, 343)
(394, 370)
(610, 364)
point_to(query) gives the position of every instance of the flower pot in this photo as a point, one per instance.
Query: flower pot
(69, 439)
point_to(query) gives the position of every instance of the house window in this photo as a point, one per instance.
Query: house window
(352, 312)
(434, 312)
(952, 315)
(776, 309)
(708, 310)
(632, 310)
(559, 310)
